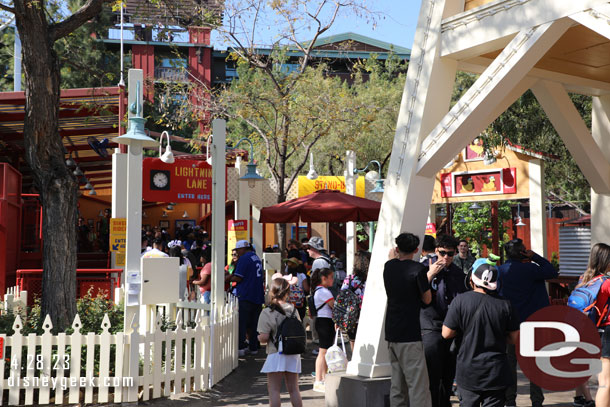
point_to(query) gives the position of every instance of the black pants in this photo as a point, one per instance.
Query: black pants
(491, 398)
(441, 367)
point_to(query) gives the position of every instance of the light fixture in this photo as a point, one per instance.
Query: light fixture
(475, 207)
(144, 215)
(442, 211)
(185, 214)
(92, 192)
(490, 158)
(78, 172)
(88, 185)
(164, 214)
(168, 156)
(136, 131)
(312, 174)
(170, 207)
(462, 220)
(251, 175)
(101, 214)
(373, 176)
(70, 161)
(519, 220)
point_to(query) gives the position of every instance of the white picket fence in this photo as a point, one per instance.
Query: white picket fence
(77, 368)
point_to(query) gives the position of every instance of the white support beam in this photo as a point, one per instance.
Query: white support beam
(595, 19)
(574, 132)
(473, 111)
(406, 200)
(573, 84)
(600, 203)
(491, 26)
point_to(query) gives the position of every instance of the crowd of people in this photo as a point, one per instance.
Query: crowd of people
(451, 321)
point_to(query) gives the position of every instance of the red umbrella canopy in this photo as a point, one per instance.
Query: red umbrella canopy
(322, 206)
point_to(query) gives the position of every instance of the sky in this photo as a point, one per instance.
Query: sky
(395, 23)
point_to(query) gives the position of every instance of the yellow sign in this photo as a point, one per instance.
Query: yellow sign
(308, 186)
(118, 232)
(119, 259)
(237, 230)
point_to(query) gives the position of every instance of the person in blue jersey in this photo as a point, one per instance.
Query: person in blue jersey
(250, 293)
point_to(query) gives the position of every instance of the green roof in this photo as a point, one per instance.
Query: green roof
(364, 39)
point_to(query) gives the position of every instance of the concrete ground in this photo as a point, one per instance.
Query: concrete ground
(246, 386)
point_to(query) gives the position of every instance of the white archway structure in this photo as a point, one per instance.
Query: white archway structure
(550, 46)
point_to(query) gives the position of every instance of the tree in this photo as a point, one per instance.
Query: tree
(475, 225)
(44, 148)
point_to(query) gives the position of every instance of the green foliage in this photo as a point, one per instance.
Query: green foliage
(91, 310)
(476, 225)
(7, 42)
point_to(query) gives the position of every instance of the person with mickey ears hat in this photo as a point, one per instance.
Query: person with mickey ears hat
(485, 323)
(250, 293)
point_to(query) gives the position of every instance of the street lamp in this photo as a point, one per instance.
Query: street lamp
(475, 207)
(373, 176)
(168, 156)
(519, 220)
(251, 175)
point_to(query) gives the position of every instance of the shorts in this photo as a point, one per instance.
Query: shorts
(326, 332)
(606, 342)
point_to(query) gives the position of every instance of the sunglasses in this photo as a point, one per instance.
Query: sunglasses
(443, 253)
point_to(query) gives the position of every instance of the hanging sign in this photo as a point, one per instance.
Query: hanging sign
(184, 181)
(237, 230)
(477, 183)
(308, 186)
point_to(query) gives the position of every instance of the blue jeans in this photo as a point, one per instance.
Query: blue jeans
(248, 321)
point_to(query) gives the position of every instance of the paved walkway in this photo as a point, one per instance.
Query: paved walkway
(246, 386)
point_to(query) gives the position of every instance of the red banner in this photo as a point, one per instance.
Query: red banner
(186, 181)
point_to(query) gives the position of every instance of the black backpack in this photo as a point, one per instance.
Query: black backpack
(290, 338)
(313, 310)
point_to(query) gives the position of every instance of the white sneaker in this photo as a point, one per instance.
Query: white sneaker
(319, 387)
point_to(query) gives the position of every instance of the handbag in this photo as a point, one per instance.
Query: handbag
(336, 358)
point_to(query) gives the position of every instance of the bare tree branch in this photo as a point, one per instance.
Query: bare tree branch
(89, 10)
(7, 8)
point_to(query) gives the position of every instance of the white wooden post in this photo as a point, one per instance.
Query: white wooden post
(537, 208)
(350, 227)
(219, 131)
(600, 203)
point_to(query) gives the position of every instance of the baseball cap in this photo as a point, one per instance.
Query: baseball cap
(242, 244)
(316, 243)
(485, 275)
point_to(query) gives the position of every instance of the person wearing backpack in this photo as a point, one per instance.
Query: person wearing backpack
(323, 303)
(599, 267)
(356, 282)
(279, 366)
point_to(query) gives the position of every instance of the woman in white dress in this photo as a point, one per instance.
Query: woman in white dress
(277, 365)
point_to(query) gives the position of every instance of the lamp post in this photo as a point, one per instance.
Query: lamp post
(135, 139)
(377, 192)
(251, 175)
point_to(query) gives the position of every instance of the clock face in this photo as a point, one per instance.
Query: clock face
(159, 180)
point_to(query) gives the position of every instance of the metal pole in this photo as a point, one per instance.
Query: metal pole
(350, 227)
(17, 63)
